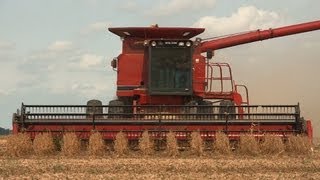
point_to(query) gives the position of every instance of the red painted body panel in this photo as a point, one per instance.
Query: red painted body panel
(199, 74)
(309, 130)
(15, 128)
(156, 32)
(131, 68)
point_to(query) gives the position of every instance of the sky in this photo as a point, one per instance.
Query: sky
(59, 52)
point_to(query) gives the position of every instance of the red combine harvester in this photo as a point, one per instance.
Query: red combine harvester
(164, 83)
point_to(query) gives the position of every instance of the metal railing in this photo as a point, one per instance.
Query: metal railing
(156, 114)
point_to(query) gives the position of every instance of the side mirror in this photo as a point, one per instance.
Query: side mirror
(210, 54)
(114, 63)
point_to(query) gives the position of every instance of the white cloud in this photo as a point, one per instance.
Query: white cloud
(177, 6)
(57, 56)
(129, 6)
(50, 61)
(98, 26)
(11, 77)
(6, 45)
(77, 73)
(60, 46)
(3, 92)
(62, 72)
(90, 89)
(95, 27)
(84, 84)
(90, 60)
(93, 2)
(246, 18)
(7, 91)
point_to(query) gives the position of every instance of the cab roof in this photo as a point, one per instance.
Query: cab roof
(156, 32)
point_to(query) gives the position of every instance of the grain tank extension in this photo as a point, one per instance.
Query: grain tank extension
(166, 83)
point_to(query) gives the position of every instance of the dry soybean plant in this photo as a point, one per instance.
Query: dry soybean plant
(196, 143)
(221, 144)
(172, 144)
(298, 145)
(71, 144)
(121, 146)
(97, 145)
(146, 144)
(272, 145)
(43, 144)
(19, 145)
(248, 145)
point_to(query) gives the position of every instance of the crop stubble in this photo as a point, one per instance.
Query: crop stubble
(172, 144)
(265, 165)
(221, 145)
(71, 144)
(146, 144)
(43, 144)
(18, 145)
(97, 146)
(161, 168)
(121, 144)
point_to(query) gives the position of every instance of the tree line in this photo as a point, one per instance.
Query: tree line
(4, 131)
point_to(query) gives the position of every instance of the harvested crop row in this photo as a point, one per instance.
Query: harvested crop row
(19, 145)
(71, 144)
(298, 145)
(97, 146)
(196, 143)
(221, 145)
(43, 144)
(172, 144)
(146, 144)
(121, 144)
(248, 145)
(272, 145)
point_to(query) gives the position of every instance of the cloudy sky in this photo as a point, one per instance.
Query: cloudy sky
(58, 52)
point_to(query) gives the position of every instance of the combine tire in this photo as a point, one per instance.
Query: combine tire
(94, 107)
(190, 111)
(204, 110)
(117, 111)
(227, 107)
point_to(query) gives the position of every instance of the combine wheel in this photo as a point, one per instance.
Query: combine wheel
(191, 110)
(94, 107)
(227, 107)
(203, 109)
(302, 126)
(116, 108)
(199, 109)
(193, 107)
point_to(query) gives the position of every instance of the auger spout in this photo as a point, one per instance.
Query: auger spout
(258, 35)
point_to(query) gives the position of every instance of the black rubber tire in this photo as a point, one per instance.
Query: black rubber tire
(227, 107)
(94, 107)
(204, 110)
(191, 110)
(116, 110)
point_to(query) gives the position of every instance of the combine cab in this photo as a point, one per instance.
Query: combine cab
(164, 83)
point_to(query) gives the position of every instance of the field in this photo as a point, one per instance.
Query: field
(158, 166)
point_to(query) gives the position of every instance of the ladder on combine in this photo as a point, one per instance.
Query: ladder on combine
(220, 84)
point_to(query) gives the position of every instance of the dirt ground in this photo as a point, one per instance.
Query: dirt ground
(157, 167)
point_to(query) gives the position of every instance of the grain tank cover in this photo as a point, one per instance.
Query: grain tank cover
(157, 32)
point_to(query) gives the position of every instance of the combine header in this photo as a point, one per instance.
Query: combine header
(164, 83)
